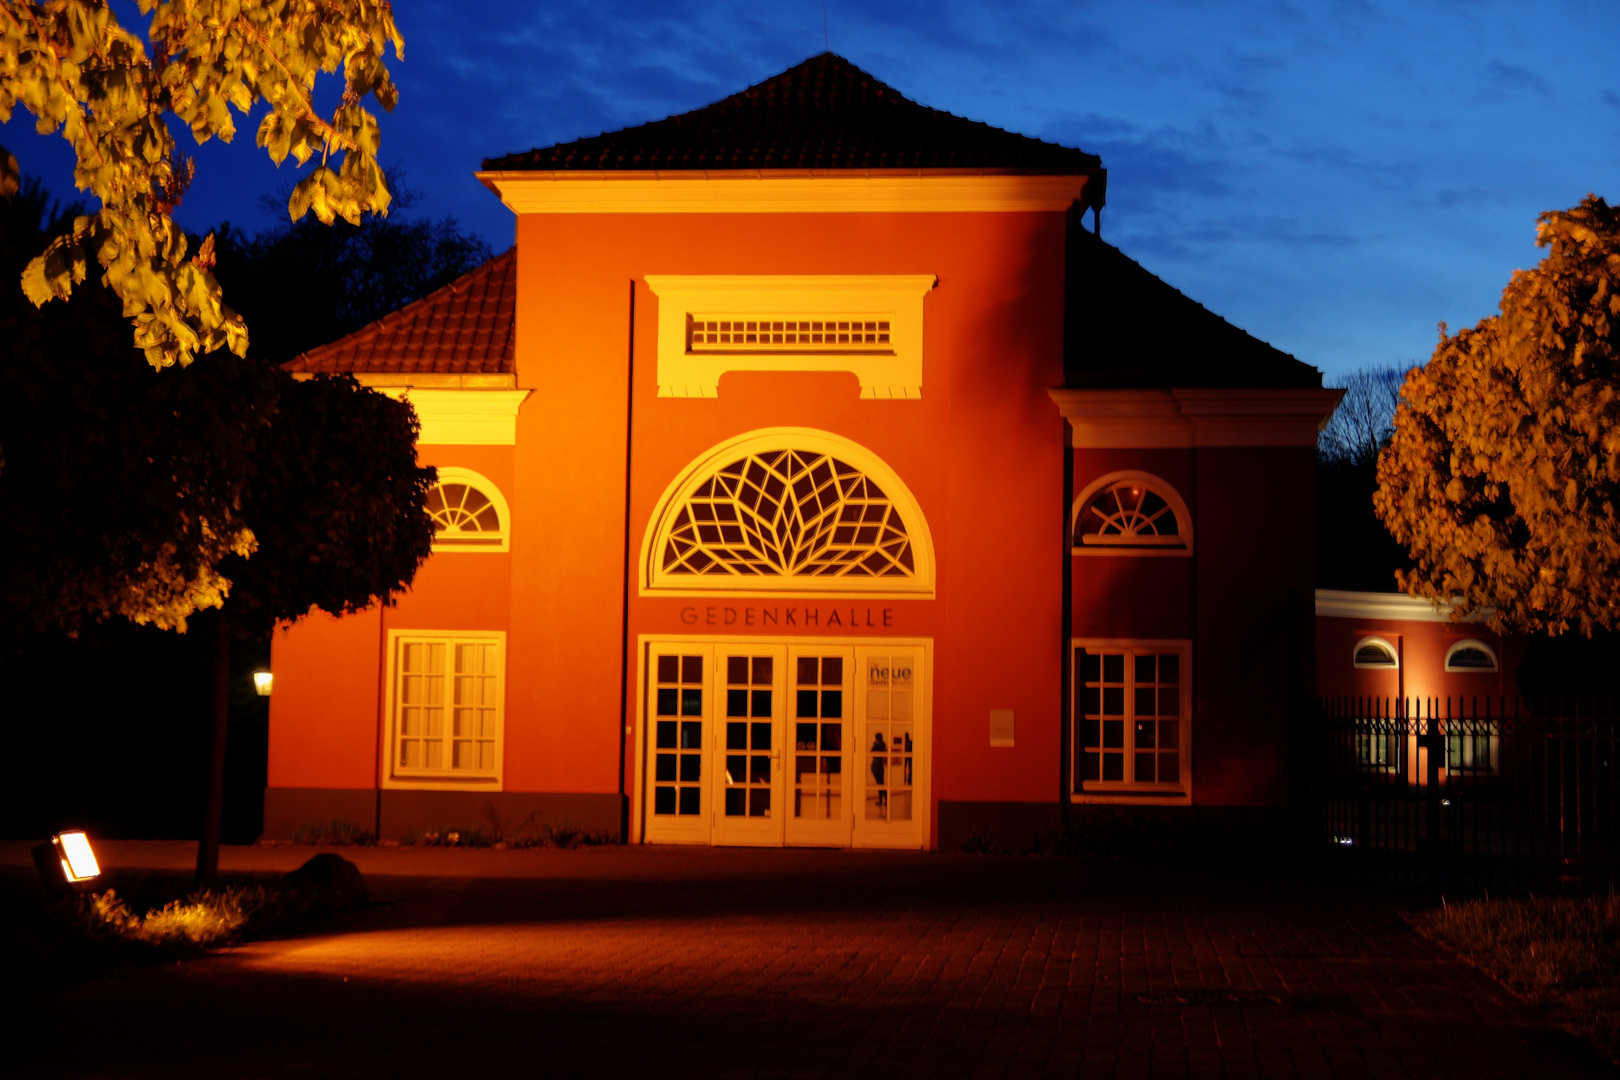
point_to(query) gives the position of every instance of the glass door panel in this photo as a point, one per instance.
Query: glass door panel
(819, 790)
(892, 718)
(748, 770)
(677, 747)
(812, 743)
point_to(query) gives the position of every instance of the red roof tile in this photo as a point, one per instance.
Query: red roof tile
(1124, 328)
(465, 328)
(825, 113)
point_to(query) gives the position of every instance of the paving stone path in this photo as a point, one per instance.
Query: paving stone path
(671, 963)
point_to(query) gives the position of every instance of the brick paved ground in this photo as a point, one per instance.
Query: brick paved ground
(666, 963)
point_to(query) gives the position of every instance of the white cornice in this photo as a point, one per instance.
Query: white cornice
(1181, 418)
(463, 417)
(394, 380)
(1344, 604)
(842, 191)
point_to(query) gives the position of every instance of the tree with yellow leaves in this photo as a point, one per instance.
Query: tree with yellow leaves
(1503, 477)
(79, 72)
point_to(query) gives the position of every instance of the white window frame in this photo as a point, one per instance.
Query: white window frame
(1378, 642)
(1161, 488)
(654, 581)
(455, 474)
(1119, 791)
(441, 779)
(892, 373)
(1472, 643)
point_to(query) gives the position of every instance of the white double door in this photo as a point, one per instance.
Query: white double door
(771, 743)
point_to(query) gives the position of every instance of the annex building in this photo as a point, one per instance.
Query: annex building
(810, 473)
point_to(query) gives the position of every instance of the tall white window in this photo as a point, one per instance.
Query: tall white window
(446, 706)
(1132, 707)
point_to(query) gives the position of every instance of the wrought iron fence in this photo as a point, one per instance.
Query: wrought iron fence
(1490, 793)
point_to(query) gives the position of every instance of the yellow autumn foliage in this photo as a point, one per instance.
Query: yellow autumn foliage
(1503, 476)
(79, 72)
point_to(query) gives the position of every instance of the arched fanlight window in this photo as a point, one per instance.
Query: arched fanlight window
(1375, 652)
(792, 510)
(1131, 513)
(468, 513)
(1471, 655)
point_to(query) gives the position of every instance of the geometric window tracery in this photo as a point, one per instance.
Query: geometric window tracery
(788, 513)
(1129, 513)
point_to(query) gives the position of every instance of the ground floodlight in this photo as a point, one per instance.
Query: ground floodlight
(78, 861)
(66, 862)
(261, 682)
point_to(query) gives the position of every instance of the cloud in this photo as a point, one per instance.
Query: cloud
(1514, 77)
(1467, 198)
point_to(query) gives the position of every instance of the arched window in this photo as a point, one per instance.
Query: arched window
(1375, 652)
(1131, 513)
(788, 511)
(468, 513)
(1471, 655)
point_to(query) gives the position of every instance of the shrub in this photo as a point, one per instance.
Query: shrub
(564, 834)
(144, 918)
(467, 837)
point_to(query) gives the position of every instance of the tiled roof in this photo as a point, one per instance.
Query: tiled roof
(825, 113)
(1126, 329)
(465, 328)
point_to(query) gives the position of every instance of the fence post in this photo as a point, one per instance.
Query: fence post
(1436, 745)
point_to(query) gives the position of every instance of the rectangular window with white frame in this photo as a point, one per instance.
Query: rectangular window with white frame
(445, 708)
(1132, 709)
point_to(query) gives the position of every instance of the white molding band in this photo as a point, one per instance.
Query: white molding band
(1184, 418)
(462, 417)
(895, 298)
(395, 380)
(1344, 604)
(794, 191)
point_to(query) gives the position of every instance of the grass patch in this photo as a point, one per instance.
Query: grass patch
(561, 834)
(1560, 953)
(148, 918)
(333, 832)
(531, 832)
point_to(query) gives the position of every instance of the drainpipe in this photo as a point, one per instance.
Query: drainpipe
(1066, 680)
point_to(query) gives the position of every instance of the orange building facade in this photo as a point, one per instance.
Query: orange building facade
(1391, 648)
(810, 475)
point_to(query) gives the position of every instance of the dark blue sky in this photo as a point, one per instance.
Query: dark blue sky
(1334, 177)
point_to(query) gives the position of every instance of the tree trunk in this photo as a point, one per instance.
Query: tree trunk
(214, 790)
